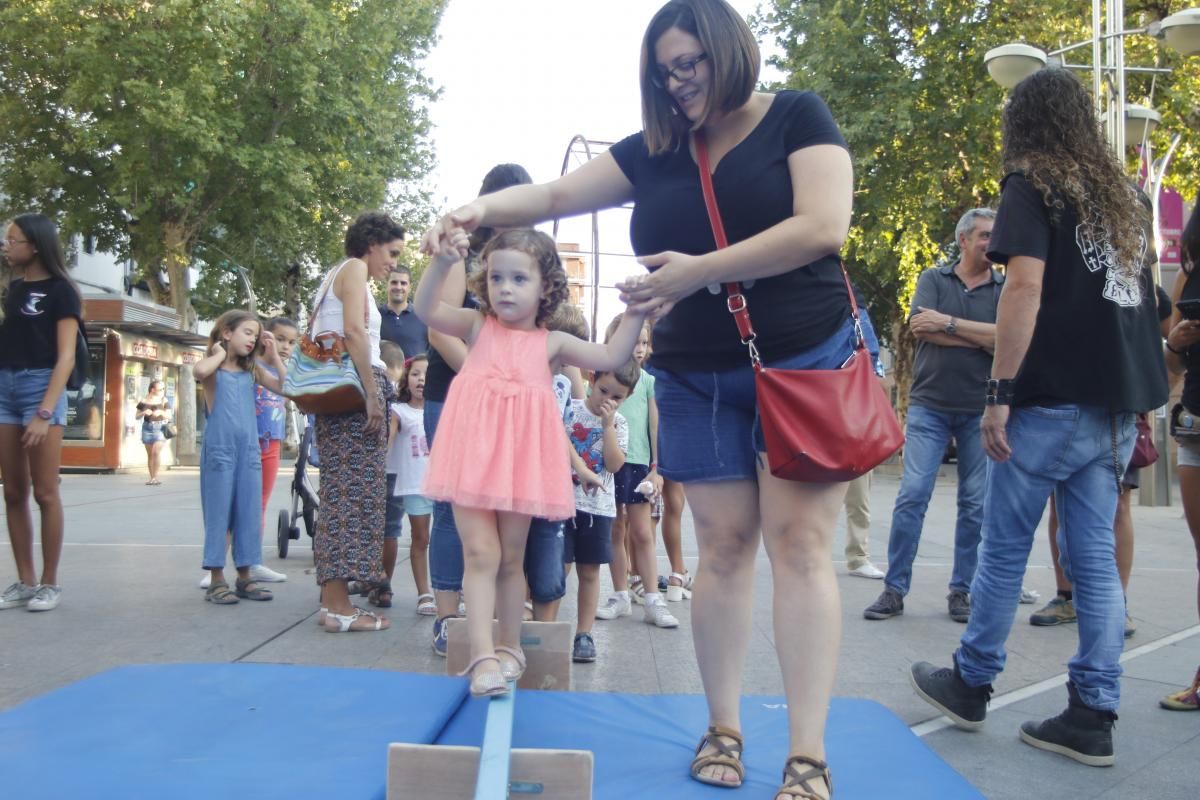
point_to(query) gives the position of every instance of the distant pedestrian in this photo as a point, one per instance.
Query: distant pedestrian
(398, 324)
(42, 315)
(155, 414)
(231, 457)
(349, 541)
(953, 318)
(1078, 355)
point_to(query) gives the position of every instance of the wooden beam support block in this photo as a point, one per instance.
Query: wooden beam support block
(438, 772)
(547, 647)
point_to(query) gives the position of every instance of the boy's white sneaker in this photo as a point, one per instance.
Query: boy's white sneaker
(656, 614)
(206, 581)
(617, 605)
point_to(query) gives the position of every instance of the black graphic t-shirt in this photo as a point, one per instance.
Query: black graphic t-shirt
(1096, 340)
(29, 333)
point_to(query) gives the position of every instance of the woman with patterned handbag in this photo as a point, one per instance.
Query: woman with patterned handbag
(783, 179)
(348, 544)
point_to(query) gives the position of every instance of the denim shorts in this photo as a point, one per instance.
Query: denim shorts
(544, 571)
(21, 393)
(587, 539)
(626, 481)
(726, 400)
(152, 432)
(398, 505)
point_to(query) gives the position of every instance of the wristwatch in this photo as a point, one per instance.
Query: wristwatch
(952, 326)
(46, 414)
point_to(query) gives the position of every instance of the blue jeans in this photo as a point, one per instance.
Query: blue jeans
(925, 440)
(544, 569)
(1067, 450)
(445, 548)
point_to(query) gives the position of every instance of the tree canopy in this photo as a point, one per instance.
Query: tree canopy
(244, 132)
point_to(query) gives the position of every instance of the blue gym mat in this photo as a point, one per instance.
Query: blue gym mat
(643, 745)
(184, 731)
(268, 731)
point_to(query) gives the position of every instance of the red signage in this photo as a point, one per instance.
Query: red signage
(141, 349)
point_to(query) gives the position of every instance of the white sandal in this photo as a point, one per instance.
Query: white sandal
(637, 591)
(682, 590)
(426, 606)
(341, 622)
(490, 684)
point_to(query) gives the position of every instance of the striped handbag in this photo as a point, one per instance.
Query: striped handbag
(321, 378)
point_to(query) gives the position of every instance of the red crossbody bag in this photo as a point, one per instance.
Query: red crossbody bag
(820, 425)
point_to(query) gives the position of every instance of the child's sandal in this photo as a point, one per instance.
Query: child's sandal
(512, 671)
(426, 606)
(637, 591)
(796, 783)
(489, 684)
(679, 587)
(726, 755)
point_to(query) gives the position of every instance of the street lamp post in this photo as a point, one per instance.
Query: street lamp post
(1011, 63)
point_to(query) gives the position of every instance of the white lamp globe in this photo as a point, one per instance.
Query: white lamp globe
(1009, 64)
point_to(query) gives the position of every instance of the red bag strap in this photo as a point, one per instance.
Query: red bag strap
(736, 301)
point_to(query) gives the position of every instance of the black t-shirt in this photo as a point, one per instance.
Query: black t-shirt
(1191, 377)
(438, 374)
(792, 311)
(1096, 340)
(29, 333)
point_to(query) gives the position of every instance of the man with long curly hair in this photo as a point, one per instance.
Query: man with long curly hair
(1078, 354)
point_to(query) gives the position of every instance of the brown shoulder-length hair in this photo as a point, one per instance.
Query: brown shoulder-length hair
(230, 321)
(1050, 133)
(733, 58)
(543, 251)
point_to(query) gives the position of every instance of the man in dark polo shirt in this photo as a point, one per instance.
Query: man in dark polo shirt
(399, 323)
(953, 318)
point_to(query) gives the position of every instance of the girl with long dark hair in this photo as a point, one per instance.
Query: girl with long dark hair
(42, 315)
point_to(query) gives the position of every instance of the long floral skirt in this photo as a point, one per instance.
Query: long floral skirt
(348, 544)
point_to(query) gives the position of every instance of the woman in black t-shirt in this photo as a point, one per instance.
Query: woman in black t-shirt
(1183, 356)
(783, 180)
(42, 311)
(152, 410)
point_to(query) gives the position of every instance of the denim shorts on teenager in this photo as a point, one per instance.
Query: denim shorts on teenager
(626, 481)
(708, 427)
(587, 539)
(21, 393)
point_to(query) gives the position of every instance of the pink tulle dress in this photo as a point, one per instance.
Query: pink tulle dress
(499, 443)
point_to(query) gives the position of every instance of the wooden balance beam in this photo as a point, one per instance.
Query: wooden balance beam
(495, 771)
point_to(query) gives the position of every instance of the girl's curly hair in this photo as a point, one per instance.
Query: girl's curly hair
(403, 393)
(543, 251)
(1050, 133)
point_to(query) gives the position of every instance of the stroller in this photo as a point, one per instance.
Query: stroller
(305, 502)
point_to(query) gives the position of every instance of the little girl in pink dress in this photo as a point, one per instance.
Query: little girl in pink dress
(501, 454)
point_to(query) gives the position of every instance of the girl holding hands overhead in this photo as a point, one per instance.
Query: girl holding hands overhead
(504, 460)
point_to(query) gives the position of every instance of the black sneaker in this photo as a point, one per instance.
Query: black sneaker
(944, 689)
(959, 605)
(1080, 733)
(890, 603)
(584, 649)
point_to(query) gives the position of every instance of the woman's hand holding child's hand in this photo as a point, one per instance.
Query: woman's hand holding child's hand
(448, 246)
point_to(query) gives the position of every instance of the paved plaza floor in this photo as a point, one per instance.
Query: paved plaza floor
(132, 564)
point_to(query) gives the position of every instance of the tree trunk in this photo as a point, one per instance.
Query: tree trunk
(177, 246)
(903, 350)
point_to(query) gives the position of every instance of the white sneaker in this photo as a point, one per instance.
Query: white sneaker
(47, 598)
(656, 614)
(19, 594)
(617, 605)
(206, 581)
(868, 570)
(264, 574)
(1029, 596)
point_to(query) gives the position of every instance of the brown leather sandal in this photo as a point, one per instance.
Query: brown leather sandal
(727, 755)
(796, 783)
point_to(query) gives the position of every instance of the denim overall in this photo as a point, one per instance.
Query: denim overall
(231, 473)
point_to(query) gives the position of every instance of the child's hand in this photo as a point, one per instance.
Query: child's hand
(608, 412)
(590, 482)
(656, 480)
(216, 350)
(267, 340)
(451, 247)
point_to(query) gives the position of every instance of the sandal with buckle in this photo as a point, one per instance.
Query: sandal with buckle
(796, 783)
(220, 594)
(726, 755)
(681, 590)
(489, 684)
(637, 591)
(512, 670)
(250, 590)
(426, 606)
(343, 623)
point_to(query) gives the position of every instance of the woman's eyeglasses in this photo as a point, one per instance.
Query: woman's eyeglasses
(683, 71)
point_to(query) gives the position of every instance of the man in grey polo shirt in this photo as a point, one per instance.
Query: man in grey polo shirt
(954, 321)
